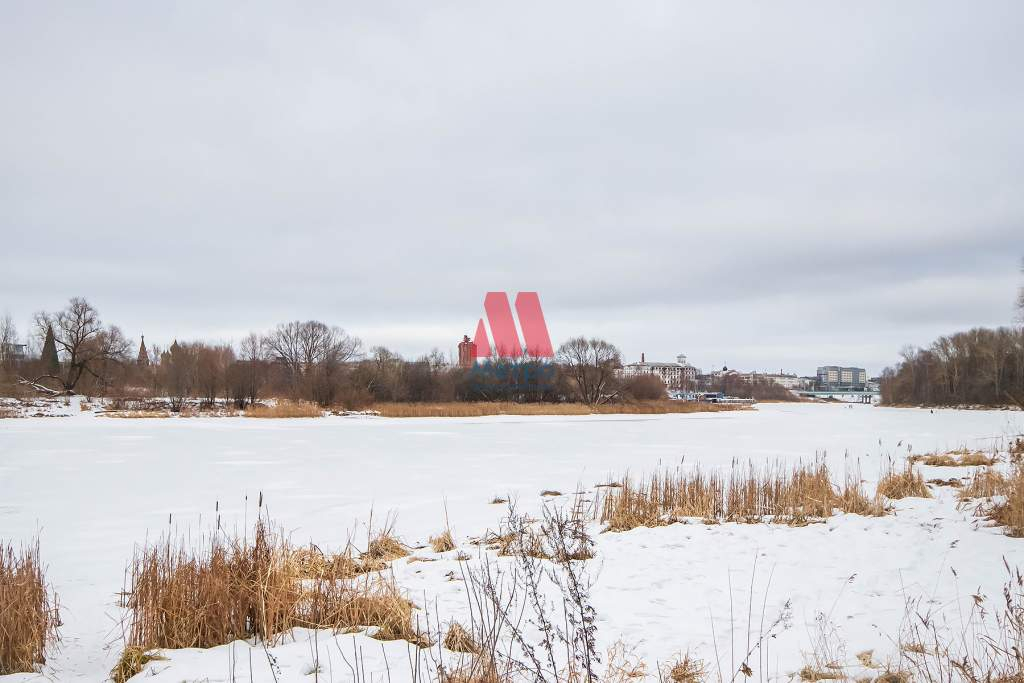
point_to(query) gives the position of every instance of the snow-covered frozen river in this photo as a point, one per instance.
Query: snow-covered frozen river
(91, 488)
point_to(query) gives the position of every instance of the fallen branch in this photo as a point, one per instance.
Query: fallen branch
(39, 387)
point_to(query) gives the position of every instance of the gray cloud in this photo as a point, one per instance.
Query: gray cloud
(763, 185)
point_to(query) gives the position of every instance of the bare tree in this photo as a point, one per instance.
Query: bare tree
(1020, 297)
(8, 337)
(303, 346)
(591, 365)
(248, 374)
(87, 347)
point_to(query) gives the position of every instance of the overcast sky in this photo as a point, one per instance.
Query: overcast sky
(763, 185)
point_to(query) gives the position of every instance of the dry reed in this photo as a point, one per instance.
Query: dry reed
(458, 639)
(258, 587)
(959, 458)
(905, 483)
(135, 414)
(132, 661)
(385, 547)
(986, 483)
(481, 409)
(747, 494)
(443, 542)
(685, 669)
(282, 409)
(1006, 497)
(28, 610)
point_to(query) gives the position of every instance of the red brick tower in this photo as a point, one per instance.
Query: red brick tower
(467, 353)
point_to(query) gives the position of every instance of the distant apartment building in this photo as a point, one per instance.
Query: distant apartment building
(836, 377)
(787, 381)
(14, 352)
(673, 375)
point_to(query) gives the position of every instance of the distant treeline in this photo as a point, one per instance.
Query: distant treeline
(309, 360)
(979, 367)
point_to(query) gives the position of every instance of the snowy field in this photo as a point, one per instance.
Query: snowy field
(92, 487)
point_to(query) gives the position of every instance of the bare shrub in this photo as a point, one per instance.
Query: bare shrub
(622, 664)
(984, 645)
(905, 483)
(28, 610)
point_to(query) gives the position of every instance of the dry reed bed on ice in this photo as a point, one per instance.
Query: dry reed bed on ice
(962, 457)
(481, 409)
(28, 610)
(256, 587)
(794, 496)
(1003, 497)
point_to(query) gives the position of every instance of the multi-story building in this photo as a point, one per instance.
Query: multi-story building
(836, 377)
(675, 375)
(14, 352)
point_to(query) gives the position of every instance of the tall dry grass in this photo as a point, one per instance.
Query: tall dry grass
(481, 409)
(29, 614)
(1005, 492)
(745, 494)
(903, 483)
(283, 409)
(178, 596)
(962, 457)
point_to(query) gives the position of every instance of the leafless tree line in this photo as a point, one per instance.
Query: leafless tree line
(308, 360)
(978, 367)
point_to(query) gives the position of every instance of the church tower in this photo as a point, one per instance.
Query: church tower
(143, 358)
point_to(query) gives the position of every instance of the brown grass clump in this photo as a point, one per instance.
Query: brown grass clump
(481, 409)
(685, 669)
(458, 639)
(550, 492)
(256, 587)
(28, 610)
(905, 483)
(285, 409)
(385, 547)
(958, 458)
(748, 494)
(443, 542)
(893, 676)
(131, 662)
(811, 674)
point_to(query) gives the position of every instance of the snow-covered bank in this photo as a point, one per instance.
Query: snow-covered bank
(92, 488)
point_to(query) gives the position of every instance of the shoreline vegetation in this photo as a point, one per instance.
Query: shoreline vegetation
(284, 408)
(189, 590)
